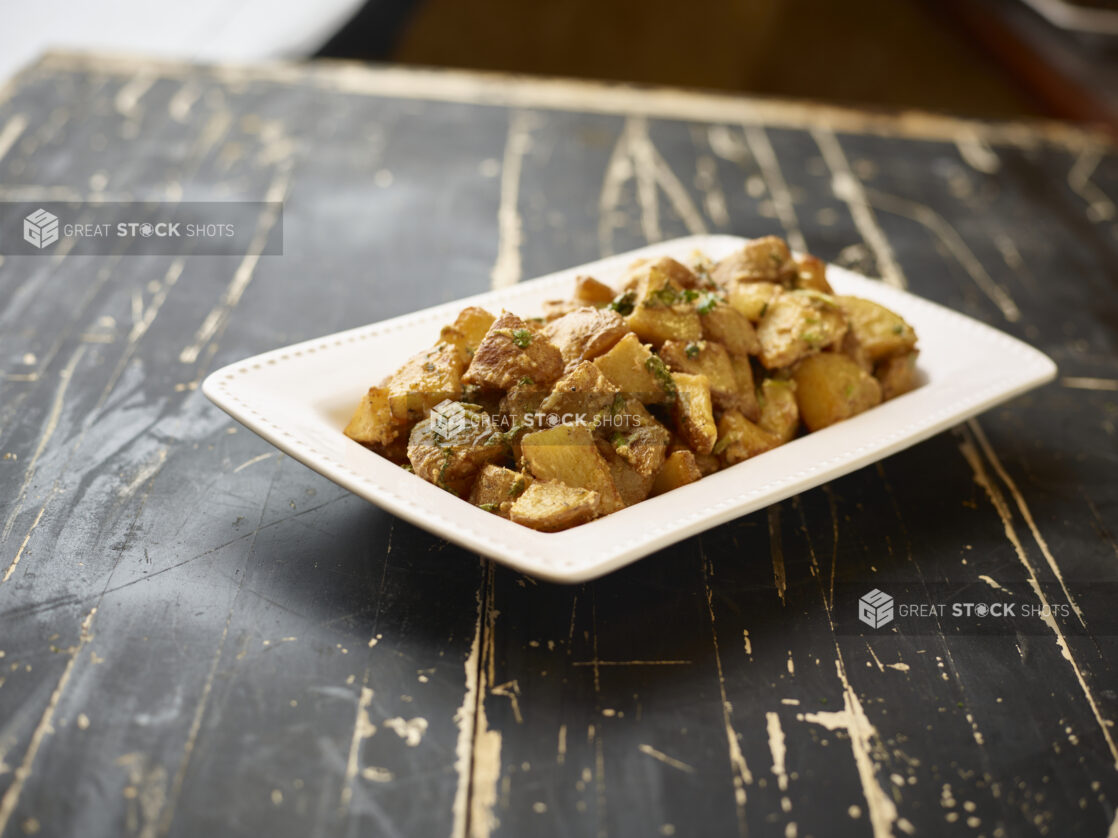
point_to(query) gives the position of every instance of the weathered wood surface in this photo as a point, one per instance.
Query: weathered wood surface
(198, 635)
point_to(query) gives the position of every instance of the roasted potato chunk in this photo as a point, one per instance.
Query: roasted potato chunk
(761, 260)
(497, 488)
(451, 458)
(811, 275)
(511, 352)
(694, 412)
(797, 324)
(553, 506)
(881, 332)
(752, 299)
(590, 292)
(637, 437)
(632, 486)
(897, 375)
(747, 401)
(726, 325)
(567, 453)
(708, 359)
(468, 329)
(554, 309)
(661, 310)
(585, 333)
(427, 378)
(373, 422)
(780, 415)
(679, 469)
(739, 439)
(630, 366)
(831, 387)
(581, 395)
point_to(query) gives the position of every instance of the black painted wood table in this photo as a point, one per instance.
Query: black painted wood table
(200, 636)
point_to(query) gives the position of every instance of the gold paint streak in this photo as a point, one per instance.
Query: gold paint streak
(11, 132)
(257, 459)
(954, 242)
(363, 728)
(780, 579)
(497, 89)
(1026, 513)
(849, 189)
(1083, 383)
(635, 156)
(664, 758)
(777, 749)
(11, 797)
(49, 428)
(466, 720)
(766, 158)
(511, 691)
(1002, 508)
(19, 553)
(977, 154)
(130, 94)
(876, 660)
(741, 775)
(410, 730)
(853, 719)
(561, 754)
(992, 583)
(863, 735)
(145, 474)
(245, 271)
(510, 229)
(1099, 206)
(479, 748)
(180, 104)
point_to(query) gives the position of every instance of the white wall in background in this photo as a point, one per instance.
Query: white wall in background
(207, 30)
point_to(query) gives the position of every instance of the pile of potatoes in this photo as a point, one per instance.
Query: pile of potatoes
(617, 395)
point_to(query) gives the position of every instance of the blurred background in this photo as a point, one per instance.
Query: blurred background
(984, 58)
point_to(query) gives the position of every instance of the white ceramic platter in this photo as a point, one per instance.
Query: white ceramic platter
(300, 397)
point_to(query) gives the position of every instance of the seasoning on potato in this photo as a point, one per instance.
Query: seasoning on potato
(617, 395)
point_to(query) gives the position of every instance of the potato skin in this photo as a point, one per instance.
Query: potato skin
(373, 422)
(511, 352)
(897, 375)
(497, 488)
(553, 506)
(831, 387)
(880, 332)
(468, 329)
(585, 333)
(453, 463)
(426, 379)
(739, 439)
(780, 414)
(761, 260)
(798, 323)
(660, 310)
(705, 358)
(694, 412)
